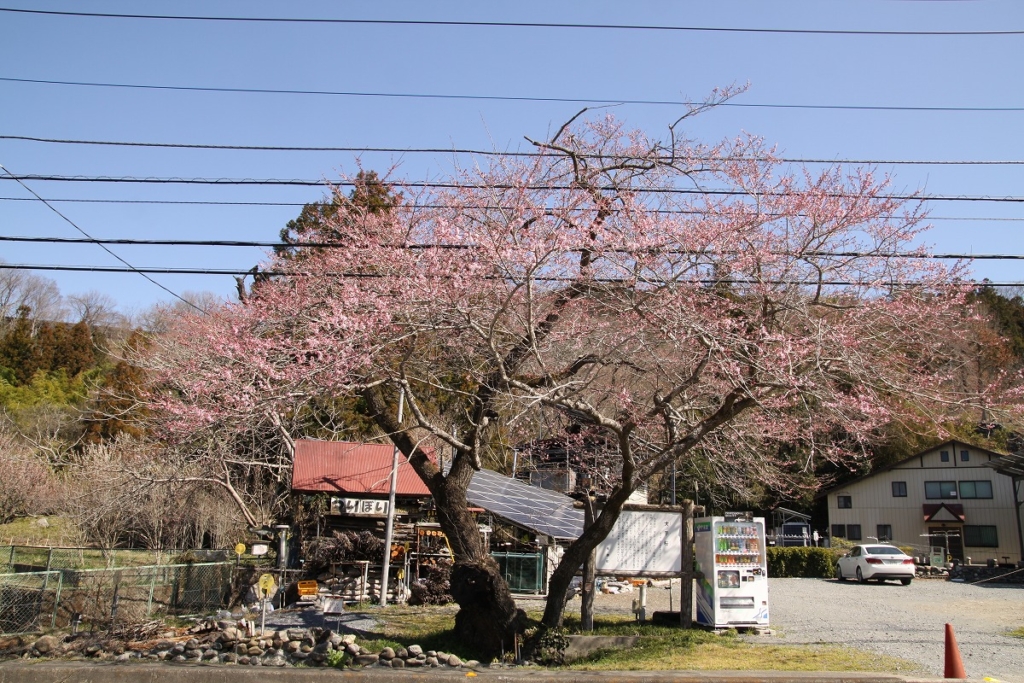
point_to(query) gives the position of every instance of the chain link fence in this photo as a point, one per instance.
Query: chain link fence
(24, 558)
(30, 601)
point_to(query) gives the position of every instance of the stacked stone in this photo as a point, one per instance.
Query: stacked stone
(229, 644)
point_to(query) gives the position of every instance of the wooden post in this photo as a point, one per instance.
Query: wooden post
(686, 588)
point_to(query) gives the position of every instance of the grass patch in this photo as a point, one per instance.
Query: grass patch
(429, 627)
(26, 531)
(660, 647)
(1017, 633)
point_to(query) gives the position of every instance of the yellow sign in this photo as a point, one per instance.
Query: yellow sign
(240, 549)
(266, 584)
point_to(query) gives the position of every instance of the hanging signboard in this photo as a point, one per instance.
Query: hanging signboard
(365, 507)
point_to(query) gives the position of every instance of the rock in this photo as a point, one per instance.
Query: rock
(241, 649)
(178, 658)
(42, 522)
(415, 650)
(431, 653)
(229, 658)
(193, 654)
(292, 646)
(352, 649)
(178, 649)
(364, 660)
(244, 659)
(123, 657)
(453, 660)
(255, 661)
(337, 640)
(432, 662)
(210, 654)
(300, 655)
(163, 655)
(276, 660)
(298, 634)
(402, 653)
(385, 662)
(93, 649)
(192, 644)
(46, 644)
(442, 657)
(413, 662)
(348, 638)
(254, 651)
(164, 645)
(472, 664)
(398, 663)
(307, 648)
(387, 653)
(224, 624)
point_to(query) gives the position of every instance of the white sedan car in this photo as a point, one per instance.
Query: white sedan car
(879, 562)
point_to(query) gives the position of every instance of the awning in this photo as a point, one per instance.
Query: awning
(944, 512)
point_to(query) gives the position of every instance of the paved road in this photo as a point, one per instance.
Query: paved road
(902, 621)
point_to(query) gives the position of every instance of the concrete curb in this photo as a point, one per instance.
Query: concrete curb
(83, 672)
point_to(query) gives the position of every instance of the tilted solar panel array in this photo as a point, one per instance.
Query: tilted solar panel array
(545, 512)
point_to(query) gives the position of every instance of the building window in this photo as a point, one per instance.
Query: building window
(899, 489)
(965, 456)
(838, 531)
(975, 489)
(853, 532)
(939, 489)
(844, 501)
(883, 532)
(944, 456)
(980, 536)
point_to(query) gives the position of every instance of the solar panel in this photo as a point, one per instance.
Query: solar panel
(539, 510)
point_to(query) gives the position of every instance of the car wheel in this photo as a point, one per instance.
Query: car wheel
(860, 576)
(906, 581)
(839, 573)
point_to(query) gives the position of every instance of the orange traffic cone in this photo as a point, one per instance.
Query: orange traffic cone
(954, 664)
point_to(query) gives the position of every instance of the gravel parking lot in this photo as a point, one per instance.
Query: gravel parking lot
(900, 621)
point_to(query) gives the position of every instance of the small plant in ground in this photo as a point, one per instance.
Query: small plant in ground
(337, 659)
(1017, 633)
(546, 646)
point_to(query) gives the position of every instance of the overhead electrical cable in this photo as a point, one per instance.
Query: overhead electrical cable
(422, 206)
(511, 98)
(456, 186)
(509, 24)
(189, 202)
(344, 245)
(70, 222)
(359, 275)
(481, 152)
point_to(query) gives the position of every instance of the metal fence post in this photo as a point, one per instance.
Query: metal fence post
(56, 599)
(11, 561)
(152, 590)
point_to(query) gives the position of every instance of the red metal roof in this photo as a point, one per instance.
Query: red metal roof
(345, 467)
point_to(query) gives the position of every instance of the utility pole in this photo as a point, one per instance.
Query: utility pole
(390, 528)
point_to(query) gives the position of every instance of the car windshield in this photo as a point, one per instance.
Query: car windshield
(883, 550)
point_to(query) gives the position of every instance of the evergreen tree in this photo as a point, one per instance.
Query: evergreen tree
(45, 347)
(17, 351)
(117, 407)
(74, 349)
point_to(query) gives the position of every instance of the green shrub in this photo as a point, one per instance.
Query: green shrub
(801, 563)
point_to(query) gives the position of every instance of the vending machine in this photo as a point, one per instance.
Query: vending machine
(732, 571)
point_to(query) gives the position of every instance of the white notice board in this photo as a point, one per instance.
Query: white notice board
(643, 543)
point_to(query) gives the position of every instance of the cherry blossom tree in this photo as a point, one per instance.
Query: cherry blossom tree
(677, 299)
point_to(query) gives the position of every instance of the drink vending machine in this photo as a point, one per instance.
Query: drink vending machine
(732, 571)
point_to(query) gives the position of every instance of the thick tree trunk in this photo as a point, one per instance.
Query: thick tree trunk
(488, 619)
(576, 553)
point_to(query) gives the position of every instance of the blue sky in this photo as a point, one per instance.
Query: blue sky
(603, 64)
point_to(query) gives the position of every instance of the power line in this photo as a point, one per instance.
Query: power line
(70, 222)
(456, 186)
(509, 98)
(189, 202)
(510, 24)
(481, 152)
(343, 245)
(281, 273)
